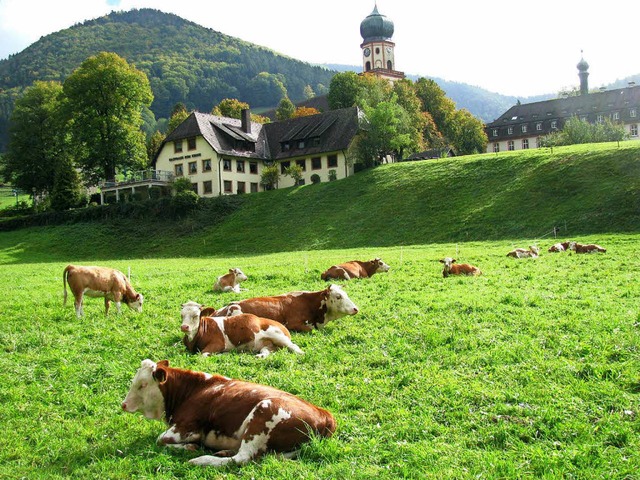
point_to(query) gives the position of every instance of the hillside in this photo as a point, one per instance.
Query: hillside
(587, 189)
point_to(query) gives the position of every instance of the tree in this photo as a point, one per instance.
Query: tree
(308, 92)
(37, 136)
(67, 189)
(153, 146)
(343, 90)
(270, 176)
(435, 102)
(178, 115)
(285, 109)
(230, 107)
(295, 172)
(467, 133)
(304, 112)
(105, 97)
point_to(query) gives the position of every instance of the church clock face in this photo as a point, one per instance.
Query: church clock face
(388, 49)
(367, 52)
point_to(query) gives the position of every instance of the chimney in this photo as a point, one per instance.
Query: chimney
(245, 116)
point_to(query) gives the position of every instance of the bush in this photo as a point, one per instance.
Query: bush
(332, 175)
(315, 178)
(184, 202)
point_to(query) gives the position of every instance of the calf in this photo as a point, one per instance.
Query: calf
(559, 247)
(99, 282)
(452, 268)
(240, 420)
(242, 331)
(355, 269)
(299, 311)
(230, 282)
(588, 248)
(533, 252)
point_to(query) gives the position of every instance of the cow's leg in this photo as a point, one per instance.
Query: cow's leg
(107, 304)
(117, 298)
(277, 338)
(173, 438)
(258, 427)
(266, 350)
(78, 304)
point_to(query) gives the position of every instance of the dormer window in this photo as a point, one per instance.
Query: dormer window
(524, 129)
(632, 113)
(300, 143)
(495, 132)
(285, 146)
(510, 130)
(539, 126)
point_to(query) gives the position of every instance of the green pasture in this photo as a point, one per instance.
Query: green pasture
(530, 371)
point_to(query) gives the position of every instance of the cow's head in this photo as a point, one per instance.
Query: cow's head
(534, 249)
(145, 395)
(572, 246)
(135, 303)
(240, 277)
(190, 314)
(380, 265)
(234, 309)
(448, 261)
(338, 303)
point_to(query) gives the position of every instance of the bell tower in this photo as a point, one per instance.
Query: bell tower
(378, 56)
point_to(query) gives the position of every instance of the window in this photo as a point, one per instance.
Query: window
(240, 166)
(226, 164)
(368, 66)
(228, 186)
(377, 50)
(599, 119)
(206, 165)
(554, 124)
(510, 130)
(632, 113)
(193, 168)
(302, 164)
(178, 170)
(389, 65)
(496, 147)
(510, 145)
(525, 144)
(524, 129)
(177, 146)
(254, 187)
(207, 187)
(633, 129)
(539, 126)
(253, 167)
(301, 144)
(583, 118)
(241, 187)
(616, 115)
(316, 163)
(495, 132)
(191, 143)
(332, 161)
(285, 146)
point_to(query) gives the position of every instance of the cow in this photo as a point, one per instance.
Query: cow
(241, 331)
(586, 248)
(532, 252)
(298, 311)
(355, 269)
(238, 419)
(452, 268)
(105, 282)
(230, 282)
(559, 247)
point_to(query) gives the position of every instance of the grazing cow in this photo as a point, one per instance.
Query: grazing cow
(587, 248)
(533, 252)
(452, 268)
(100, 282)
(230, 282)
(355, 269)
(559, 247)
(298, 311)
(241, 420)
(242, 331)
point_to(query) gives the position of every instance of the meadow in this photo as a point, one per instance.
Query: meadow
(531, 370)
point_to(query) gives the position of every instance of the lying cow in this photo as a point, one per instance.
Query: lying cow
(100, 282)
(532, 252)
(298, 311)
(588, 248)
(452, 268)
(242, 331)
(355, 269)
(230, 282)
(240, 420)
(559, 247)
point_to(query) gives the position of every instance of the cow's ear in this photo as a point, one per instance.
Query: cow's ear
(231, 270)
(160, 373)
(441, 261)
(453, 260)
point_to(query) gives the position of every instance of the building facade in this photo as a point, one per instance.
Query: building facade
(523, 125)
(226, 156)
(378, 51)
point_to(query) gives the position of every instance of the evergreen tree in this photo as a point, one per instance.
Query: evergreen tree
(285, 109)
(67, 190)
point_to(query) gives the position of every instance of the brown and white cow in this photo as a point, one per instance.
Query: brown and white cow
(559, 247)
(532, 252)
(230, 282)
(238, 331)
(355, 269)
(105, 282)
(452, 268)
(586, 248)
(299, 311)
(241, 420)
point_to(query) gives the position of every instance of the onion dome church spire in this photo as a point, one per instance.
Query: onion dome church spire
(583, 73)
(378, 56)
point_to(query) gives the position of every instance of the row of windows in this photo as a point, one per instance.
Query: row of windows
(293, 144)
(241, 187)
(192, 167)
(316, 163)
(227, 166)
(191, 145)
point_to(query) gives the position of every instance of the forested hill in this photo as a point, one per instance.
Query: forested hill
(185, 62)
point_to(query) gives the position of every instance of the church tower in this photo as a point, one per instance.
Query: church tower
(583, 69)
(377, 48)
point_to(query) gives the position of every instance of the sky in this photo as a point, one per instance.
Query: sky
(512, 47)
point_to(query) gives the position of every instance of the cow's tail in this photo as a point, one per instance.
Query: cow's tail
(65, 274)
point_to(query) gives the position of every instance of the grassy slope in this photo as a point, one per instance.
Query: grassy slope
(587, 189)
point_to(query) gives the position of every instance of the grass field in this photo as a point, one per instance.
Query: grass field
(529, 371)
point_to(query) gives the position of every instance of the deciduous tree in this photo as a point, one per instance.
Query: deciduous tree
(285, 109)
